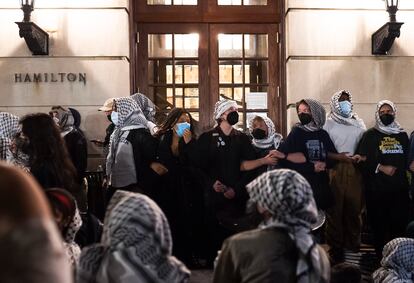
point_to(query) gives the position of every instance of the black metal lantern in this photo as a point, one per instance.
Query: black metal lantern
(383, 39)
(36, 38)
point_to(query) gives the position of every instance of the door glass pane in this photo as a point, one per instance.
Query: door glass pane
(159, 71)
(191, 74)
(256, 45)
(230, 45)
(171, 2)
(159, 45)
(256, 99)
(256, 71)
(186, 45)
(242, 2)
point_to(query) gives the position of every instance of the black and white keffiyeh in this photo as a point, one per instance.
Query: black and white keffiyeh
(147, 106)
(318, 115)
(272, 139)
(136, 245)
(9, 127)
(394, 127)
(130, 117)
(397, 264)
(71, 247)
(337, 115)
(66, 119)
(222, 106)
(289, 198)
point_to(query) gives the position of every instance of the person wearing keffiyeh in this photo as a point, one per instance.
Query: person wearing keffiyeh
(136, 245)
(282, 248)
(148, 109)
(385, 147)
(132, 149)
(309, 138)
(345, 129)
(9, 127)
(397, 264)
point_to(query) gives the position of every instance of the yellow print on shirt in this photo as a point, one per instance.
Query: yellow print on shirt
(391, 146)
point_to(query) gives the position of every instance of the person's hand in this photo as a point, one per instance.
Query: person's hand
(105, 183)
(159, 168)
(97, 142)
(358, 158)
(229, 193)
(387, 169)
(344, 156)
(296, 157)
(277, 154)
(411, 166)
(269, 160)
(319, 166)
(219, 187)
(187, 136)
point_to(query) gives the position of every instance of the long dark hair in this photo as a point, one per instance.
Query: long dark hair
(47, 149)
(64, 203)
(172, 119)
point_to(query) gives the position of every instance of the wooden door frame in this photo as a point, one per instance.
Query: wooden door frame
(273, 56)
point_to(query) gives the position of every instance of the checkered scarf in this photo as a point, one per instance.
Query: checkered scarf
(66, 120)
(136, 245)
(318, 116)
(397, 264)
(337, 115)
(147, 106)
(222, 106)
(72, 248)
(130, 117)
(272, 139)
(289, 198)
(394, 127)
(9, 127)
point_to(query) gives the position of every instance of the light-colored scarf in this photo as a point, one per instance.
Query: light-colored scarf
(337, 115)
(394, 127)
(318, 116)
(136, 245)
(9, 127)
(222, 106)
(147, 106)
(273, 139)
(397, 264)
(289, 198)
(66, 120)
(130, 117)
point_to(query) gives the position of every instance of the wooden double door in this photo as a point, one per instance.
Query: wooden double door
(194, 65)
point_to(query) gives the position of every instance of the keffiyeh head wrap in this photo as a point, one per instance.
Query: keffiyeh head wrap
(394, 127)
(318, 115)
(337, 115)
(72, 248)
(289, 198)
(397, 264)
(135, 247)
(272, 139)
(147, 106)
(222, 106)
(9, 127)
(130, 117)
(66, 120)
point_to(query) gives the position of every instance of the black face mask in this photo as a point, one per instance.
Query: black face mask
(387, 119)
(233, 118)
(305, 118)
(259, 134)
(109, 118)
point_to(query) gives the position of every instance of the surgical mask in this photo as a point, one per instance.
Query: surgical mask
(305, 118)
(233, 118)
(181, 127)
(114, 117)
(387, 119)
(346, 108)
(259, 134)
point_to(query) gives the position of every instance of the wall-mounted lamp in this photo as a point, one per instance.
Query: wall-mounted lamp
(383, 38)
(36, 39)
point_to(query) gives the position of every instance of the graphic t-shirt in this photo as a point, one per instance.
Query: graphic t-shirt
(385, 149)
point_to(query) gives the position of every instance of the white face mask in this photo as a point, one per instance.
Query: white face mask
(114, 118)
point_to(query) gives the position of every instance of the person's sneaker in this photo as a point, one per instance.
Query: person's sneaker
(336, 255)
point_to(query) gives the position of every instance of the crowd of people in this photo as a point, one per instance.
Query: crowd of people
(248, 204)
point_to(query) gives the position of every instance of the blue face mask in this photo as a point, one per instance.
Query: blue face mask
(114, 117)
(181, 127)
(346, 108)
